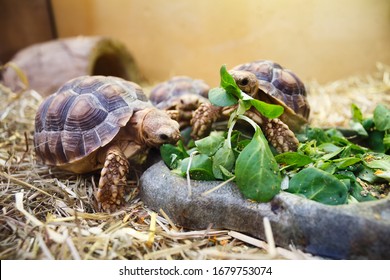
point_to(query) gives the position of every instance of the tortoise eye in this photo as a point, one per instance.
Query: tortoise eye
(244, 82)
(163, 137)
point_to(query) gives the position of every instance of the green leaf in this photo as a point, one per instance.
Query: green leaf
(379, 164)
(382, 117)
(375, 141)
(358, 127)
(378, 161)
(200, 169)
(327, 166)
(346, 152)
(386, 139)
(367, 174)
(383, 174)
(242, 144)
(270, 111)
(331, 154)
(330, 148)
(245, 96)
(172, 155)
(356, 168)
(225, 158)
(257, 172)
(357, 115)
(368, 124)
(381, 167)
(210, 144)
(342, 174)
(235, 138)
(317, 134)
(341, 141)
(219, 97)
(243, 106)
(226, 173)
(309, 148)
(228, 83)
(293, 159)
(185, 134)
(319, 186)
(334, 133)
(344, 162)
(386, 142)
(357, 191)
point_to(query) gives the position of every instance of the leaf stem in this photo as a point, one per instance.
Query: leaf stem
(232, 122)
(188, 173)
(218, 186)
(252, 123)
(230, 131)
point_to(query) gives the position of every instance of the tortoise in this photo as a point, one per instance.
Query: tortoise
(99, 122)
(180, 96)
(270, 82)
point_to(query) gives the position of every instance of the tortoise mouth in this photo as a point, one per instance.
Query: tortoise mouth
(160, 138)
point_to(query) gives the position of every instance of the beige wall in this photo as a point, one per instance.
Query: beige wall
(318, 39)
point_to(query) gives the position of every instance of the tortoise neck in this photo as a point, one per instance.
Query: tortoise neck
(136, 129)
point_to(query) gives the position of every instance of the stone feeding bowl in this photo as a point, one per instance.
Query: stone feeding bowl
(354, 231)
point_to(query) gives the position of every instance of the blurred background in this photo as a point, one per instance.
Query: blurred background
(321, 40)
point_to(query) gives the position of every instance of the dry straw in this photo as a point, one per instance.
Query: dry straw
(50, 214)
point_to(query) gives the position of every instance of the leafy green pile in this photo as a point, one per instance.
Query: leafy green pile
(327, 167)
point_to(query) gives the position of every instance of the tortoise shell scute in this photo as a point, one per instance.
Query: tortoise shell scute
(41, 114)
(86, 111)
(288, 83)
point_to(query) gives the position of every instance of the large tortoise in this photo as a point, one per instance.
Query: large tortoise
(269, 82)
(97, 122)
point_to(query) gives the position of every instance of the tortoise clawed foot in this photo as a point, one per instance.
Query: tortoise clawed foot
(203, 119)
(111, 197)
(112, 183)
(173, 114)
(280, 136)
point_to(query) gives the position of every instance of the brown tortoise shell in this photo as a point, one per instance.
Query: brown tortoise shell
(84, 115)
(164, 94)
(280, 84)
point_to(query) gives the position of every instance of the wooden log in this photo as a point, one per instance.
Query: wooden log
(49, 65)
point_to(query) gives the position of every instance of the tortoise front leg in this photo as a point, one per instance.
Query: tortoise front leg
(203, 119)
(277, 133)
(182, 109)
(280, 136)
(183, 118)
(173, 114)
(111, 193)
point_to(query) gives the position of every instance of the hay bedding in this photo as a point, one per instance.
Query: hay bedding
(51, 214)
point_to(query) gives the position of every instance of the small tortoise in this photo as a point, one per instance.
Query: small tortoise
(269, 82)
(180, 96)
(95, 122)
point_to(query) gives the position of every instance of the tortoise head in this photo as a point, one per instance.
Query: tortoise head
(158, 128)
(246, 81)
